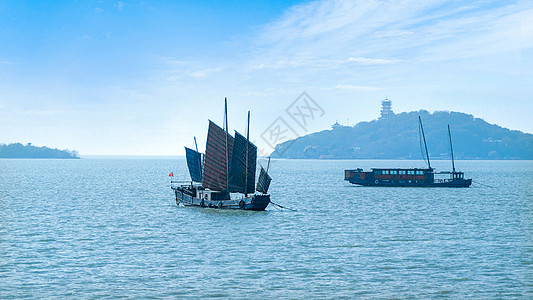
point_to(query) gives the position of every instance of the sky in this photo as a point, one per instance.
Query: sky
(144, 77)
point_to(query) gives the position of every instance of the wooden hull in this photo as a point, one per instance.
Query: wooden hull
(252, 202)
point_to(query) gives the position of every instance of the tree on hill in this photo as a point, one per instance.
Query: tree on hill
(397, 137)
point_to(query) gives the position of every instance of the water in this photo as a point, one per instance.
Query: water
(106, 228)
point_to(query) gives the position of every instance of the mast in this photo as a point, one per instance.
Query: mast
(424, 137)
(199, 154)
(451, 147)
(227, 157)
(268, 165)
(246, 162)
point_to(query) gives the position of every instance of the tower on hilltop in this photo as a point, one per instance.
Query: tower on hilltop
(386, 109)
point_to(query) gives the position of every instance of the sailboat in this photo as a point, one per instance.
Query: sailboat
(412, 177)
(224, 177)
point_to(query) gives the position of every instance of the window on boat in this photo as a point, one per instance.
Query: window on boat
(385, 172)
(419, 172)
(410, 172)
(376, 172)
(394, 172)
(401, 172)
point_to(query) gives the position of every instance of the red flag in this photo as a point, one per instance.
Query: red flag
(171, 174)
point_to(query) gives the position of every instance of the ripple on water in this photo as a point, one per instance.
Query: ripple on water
(109, 228)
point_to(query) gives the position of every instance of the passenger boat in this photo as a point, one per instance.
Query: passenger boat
(224, 177)
(412, 177)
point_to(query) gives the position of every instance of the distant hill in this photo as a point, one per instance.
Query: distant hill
(18, 150)
(398, 138)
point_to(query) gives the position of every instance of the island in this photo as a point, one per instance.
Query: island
(396, 136)
(18, 150)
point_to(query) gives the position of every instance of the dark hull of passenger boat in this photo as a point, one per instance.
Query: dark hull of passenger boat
(252, 202)
(458, 183)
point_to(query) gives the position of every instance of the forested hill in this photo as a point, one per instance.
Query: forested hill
(398, 138)
(18, 150)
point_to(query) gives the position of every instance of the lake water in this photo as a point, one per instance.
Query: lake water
(106, 228)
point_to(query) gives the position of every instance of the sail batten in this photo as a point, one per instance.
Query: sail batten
(242, 166)
(215, 173)
(194, 163)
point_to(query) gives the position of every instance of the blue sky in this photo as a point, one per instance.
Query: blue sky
(143, 77)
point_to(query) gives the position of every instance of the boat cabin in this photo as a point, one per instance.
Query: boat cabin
(390, 176)
(448, 176)
(199, 192)
(211, 195)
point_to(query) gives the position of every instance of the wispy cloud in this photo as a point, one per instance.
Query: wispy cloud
(372, 61)
(356, 88)
(383, 32)
(299, 62)
(172, 60)
(280, 64)
(205, 72)
(392, 33)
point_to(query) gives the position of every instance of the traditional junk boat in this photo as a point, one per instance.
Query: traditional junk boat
(417, 177)
(228, 166)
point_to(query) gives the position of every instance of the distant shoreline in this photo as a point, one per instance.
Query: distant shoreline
(131, 156)
(29, 151)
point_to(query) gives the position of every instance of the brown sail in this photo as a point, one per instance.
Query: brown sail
(215, 173)
(242, 166)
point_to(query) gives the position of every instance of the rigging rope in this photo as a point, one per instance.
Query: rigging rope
(483, 184)
(420, 144)
(282, 206)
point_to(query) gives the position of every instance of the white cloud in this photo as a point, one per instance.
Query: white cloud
(204, 73)
(356, 88)
(393, 33)
(372, 61)
(172, 60)
(280, 64)
(302, 62)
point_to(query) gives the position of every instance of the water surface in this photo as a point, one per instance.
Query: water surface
(111, 228)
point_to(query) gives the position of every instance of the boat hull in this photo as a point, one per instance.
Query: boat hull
(453, 184)
(398, 177)
(253, 202)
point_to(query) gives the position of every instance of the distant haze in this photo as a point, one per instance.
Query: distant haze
(143, 78)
